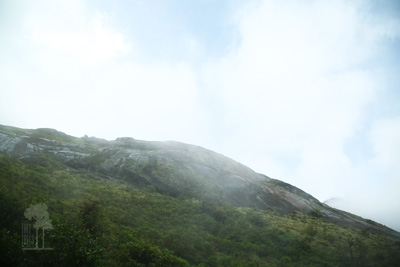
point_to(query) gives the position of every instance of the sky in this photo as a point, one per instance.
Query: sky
(304, 91)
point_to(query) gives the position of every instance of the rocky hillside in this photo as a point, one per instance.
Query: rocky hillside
(174, 169)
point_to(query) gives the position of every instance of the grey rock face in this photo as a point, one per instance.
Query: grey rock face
(23, 146)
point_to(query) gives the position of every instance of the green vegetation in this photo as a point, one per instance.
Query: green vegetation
(100, 221)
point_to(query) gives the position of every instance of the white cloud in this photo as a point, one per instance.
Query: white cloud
(89, 45)
(385, 139)
(287, 85)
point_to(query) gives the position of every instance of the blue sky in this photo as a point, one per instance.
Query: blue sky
(303, 91)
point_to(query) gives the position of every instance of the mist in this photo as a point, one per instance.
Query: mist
(303, 91)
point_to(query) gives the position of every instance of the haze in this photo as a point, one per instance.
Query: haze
(303, 91)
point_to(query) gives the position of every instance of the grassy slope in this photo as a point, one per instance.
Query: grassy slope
(115, 224)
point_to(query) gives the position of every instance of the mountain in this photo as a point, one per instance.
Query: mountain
(86, 176)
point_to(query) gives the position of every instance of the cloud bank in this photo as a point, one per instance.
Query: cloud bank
(299, 89)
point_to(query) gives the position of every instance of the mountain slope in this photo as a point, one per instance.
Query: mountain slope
(185, 178)
(172, 168)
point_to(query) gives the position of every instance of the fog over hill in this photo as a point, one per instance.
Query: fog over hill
(196, 171)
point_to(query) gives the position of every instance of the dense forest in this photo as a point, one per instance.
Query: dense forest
(103, 223)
